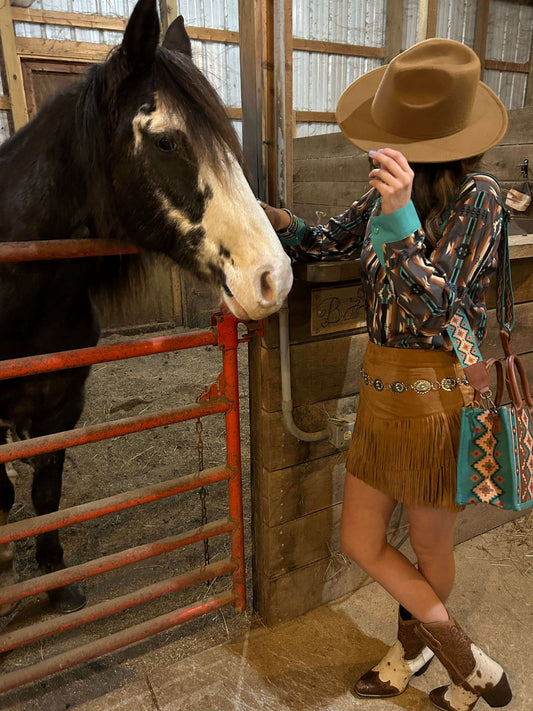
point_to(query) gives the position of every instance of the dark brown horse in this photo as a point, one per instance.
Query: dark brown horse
(141, 150)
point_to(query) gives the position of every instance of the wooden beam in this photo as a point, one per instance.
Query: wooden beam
(5, 103)
(318, 116)
(432, 16)
(393, 29)
(269, 116)
(522, 68)
(13, 69)
(65, 50)
(117, 24)
(347, 50)
(480, 35)
(250, 29)
(169, 12)
(283, 48)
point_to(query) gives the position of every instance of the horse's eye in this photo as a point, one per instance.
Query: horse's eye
(165, 144)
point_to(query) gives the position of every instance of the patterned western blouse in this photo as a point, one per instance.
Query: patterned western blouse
(412, 291)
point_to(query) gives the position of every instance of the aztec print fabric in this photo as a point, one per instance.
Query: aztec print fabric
(411, 299)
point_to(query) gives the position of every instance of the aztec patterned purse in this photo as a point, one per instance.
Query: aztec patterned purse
(495, 461)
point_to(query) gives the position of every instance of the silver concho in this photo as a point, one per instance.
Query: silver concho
(449, 384)
(422, 386)
(379, 384)
(398, 387)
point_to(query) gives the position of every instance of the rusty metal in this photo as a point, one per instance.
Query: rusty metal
(32, 365)
(48, 628)
(114, 641)
(221, 397)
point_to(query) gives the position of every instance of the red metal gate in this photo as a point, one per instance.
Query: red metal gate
(223, 397)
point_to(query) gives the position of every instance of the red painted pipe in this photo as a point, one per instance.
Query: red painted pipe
(31, 365)
(74, 573)
(108, 430)
(57, 625)
(62, 249)
(114, 642)
(111, 504)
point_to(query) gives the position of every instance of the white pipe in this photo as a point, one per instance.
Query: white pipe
(286, 394)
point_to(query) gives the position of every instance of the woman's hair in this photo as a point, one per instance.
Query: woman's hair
(435, 189)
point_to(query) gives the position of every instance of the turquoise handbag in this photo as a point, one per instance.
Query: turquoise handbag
(495, 460)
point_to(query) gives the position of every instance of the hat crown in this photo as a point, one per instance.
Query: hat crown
(428, 91)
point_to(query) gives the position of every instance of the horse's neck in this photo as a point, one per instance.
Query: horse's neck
(43, 189)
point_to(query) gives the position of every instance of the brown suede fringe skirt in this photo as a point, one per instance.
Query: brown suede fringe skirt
(405, 443)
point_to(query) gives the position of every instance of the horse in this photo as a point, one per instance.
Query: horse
(141, 151)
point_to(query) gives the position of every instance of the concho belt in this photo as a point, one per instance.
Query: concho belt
(420, 386)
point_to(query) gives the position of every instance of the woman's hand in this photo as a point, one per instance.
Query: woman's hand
(392, 177)
(279, 219)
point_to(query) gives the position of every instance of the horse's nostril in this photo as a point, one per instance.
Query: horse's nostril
(268, 289)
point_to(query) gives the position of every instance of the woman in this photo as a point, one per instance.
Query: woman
(427, 236)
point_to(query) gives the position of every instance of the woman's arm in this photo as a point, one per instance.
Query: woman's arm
(340, 239)
(430, 290)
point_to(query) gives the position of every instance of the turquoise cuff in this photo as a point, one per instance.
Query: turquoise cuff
(293, 238)
(393, 227)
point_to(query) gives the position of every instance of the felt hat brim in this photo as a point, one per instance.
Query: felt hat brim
(486, 126)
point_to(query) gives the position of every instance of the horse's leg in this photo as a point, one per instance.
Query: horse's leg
(46, 492)
(7, 550)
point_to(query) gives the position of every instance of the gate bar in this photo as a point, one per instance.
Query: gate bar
(114, 641)
(74, 573)
(47, 362)
(108, 430)
(30, 251)
(111, 504)
(42, 630)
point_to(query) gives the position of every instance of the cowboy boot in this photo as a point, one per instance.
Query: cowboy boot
(472, 672)
(406, 658)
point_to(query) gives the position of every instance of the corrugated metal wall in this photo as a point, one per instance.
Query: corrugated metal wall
(319, 78)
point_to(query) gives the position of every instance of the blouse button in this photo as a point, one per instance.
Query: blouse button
(376, 230)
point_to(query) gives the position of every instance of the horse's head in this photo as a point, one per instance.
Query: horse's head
(174, 167)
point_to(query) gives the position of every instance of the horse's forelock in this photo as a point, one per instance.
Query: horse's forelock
(181, 85)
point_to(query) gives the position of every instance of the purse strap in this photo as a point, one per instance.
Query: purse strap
(459, 329)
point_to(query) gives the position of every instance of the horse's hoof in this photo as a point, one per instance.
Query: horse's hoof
(67, 599)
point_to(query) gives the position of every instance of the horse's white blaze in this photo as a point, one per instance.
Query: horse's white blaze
(258, 272)
(159, 121)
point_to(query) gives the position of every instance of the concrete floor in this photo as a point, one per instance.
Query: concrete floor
(311, 663)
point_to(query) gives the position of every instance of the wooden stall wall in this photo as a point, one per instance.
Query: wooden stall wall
(297, 486)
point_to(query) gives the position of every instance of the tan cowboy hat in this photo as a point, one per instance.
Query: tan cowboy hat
(427, 103)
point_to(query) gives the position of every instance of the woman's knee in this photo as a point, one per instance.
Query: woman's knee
(366, 553)
(428, 548)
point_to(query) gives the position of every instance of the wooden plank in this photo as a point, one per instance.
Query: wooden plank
(269, 113)
(348, 50)
(5, 103)
(432, 16)
(393, 29)
(321, 370)
(169, 12)
(521, 336)
(250, 27)
(290, 493)
(317, 116)
(65, 50)
(283, 450)
(519, 67)
(347, 168)
(503, 161)
(327, 144)
(480, 35)
(519, 131)
(334, 193)
(283, 49)
(13, 69)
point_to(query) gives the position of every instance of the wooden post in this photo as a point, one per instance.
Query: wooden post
(393, 29)
(283, 100)
(15, 84)
(169, 12)
(480, 36)
(251, 42)
(432, 16)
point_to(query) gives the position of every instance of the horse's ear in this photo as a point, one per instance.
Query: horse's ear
(141, 36)
(176, 38)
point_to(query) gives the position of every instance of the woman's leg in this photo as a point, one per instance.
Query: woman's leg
(431, 534)
(365, 517)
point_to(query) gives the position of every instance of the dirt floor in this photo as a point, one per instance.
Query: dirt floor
(94, 471)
